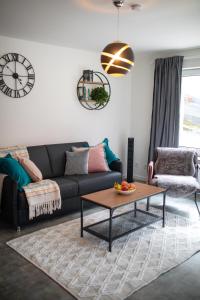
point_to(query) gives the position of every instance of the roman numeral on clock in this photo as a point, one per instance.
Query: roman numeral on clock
(2, 84)
(17, 94)
(31, 76)
(29, 84)
(29, 67)
(15, 56)
(6, 58)
(24, 92)
(8, 91)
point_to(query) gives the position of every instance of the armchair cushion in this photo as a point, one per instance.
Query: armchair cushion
(177, 185)
(175, 161)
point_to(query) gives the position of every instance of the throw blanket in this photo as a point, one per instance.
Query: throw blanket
(43, 197)
(178, 186)
(14, 151)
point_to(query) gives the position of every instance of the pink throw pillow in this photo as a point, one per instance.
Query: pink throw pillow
(97, 158)
(30, 168)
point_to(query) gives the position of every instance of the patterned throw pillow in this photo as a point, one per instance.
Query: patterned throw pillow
(77, 162)
(97, 158)
(30, 168)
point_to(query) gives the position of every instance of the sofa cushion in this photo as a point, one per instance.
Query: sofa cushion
(39, 155)
(68, 189)
(57, 156)
(94, 182)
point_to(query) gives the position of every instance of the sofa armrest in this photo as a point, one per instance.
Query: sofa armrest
(9, 205)
(116, 166)
(150, 172)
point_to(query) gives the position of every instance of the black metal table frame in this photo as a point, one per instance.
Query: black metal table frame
(110, 238)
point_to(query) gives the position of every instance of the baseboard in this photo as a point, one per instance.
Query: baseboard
(137, 177)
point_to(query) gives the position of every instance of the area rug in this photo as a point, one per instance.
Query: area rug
(85, 268)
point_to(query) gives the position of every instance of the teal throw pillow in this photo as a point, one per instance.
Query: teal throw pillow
(110, 156)
(12, 168)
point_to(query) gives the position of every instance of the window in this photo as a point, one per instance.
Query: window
(189, 135)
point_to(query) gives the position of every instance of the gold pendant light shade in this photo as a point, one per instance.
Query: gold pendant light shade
(117, 59)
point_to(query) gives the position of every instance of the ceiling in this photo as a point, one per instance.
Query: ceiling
(91, 24)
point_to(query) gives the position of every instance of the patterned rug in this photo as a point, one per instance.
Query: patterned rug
(85, 268)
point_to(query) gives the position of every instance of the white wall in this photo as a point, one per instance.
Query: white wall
(51, 113)
(142, 96)
(142, 89)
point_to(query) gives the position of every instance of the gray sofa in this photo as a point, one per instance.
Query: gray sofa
(51, 160)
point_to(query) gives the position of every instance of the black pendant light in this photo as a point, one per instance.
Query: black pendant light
(117, 58)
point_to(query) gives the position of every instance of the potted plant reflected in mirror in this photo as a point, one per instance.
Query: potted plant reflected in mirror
(100, 96)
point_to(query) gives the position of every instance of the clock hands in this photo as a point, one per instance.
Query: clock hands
(14, 75)
(10, 70)
(20, 81)
(7, 75)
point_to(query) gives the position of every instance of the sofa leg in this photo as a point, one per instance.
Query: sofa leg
(148, 203)
(195, 200)
(18, 229)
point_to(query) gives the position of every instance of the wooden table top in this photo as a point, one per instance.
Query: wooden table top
(110, 199)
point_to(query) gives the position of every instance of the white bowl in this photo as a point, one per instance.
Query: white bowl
(125, 192)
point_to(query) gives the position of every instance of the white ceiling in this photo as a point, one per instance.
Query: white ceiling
(91, 24)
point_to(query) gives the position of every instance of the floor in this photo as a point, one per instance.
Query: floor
(20, 280)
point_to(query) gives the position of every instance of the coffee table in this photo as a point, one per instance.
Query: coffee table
(108, 229)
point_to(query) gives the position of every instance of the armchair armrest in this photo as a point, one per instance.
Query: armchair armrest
(197, 172)
(9, 205)
(150, 172)
(116, 166)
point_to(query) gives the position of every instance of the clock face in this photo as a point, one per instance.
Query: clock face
(17, 76)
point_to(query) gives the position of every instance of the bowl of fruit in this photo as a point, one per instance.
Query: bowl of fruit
(124, 188)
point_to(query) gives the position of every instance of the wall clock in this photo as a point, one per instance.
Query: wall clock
(17, 76)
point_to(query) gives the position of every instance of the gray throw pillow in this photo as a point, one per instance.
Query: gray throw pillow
(77, 162)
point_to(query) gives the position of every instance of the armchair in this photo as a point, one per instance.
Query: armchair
(175, 169)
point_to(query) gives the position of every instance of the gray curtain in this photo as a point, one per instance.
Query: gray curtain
(166, 103)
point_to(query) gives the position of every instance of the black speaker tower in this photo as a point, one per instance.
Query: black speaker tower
(130, 160)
